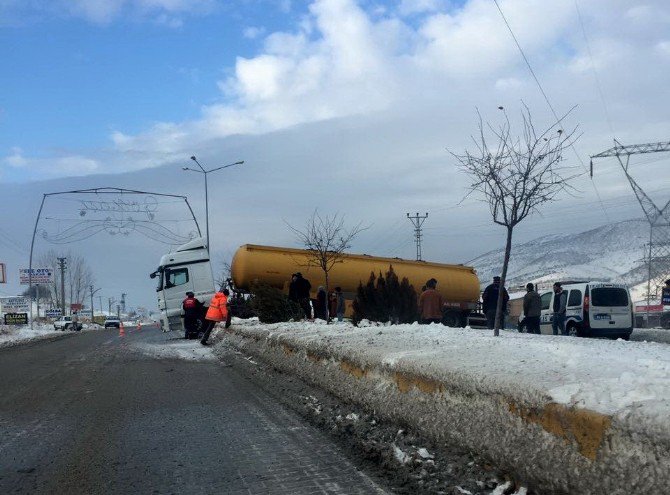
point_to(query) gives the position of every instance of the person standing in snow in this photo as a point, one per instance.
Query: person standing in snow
(302, 289)
(321, 305)
(192, 312)
(490, 303)
(339, 307)
(430, 304)
(560, 307)
(532, 309)
(217, 312)
(293, 289)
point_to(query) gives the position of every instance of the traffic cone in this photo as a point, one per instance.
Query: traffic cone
(139, 325)
(122, 330)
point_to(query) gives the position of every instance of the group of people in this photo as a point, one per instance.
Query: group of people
(325, 305)
(532, 309)
(216, 312)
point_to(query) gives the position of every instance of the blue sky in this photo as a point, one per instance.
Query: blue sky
(68, 81)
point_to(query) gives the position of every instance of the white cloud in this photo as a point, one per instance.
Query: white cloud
(253, 32)
(15, 159)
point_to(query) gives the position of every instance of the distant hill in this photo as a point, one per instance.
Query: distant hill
(612, 252)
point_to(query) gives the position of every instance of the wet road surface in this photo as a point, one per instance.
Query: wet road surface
(144, 412)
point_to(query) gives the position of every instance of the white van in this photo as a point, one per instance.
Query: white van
(595, 309)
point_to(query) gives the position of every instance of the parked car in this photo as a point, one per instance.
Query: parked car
(112, 322)
(595, 309)
(65, 323)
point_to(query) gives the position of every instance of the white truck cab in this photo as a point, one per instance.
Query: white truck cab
(187, 269)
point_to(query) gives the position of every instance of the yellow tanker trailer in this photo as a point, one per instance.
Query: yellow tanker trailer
(274, 266)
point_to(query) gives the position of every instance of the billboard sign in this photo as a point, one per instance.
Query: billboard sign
(75, 307)
(3, 273)
(40, 276)
(13, 304)
(665, 298)
(16, 318)
(53, 313)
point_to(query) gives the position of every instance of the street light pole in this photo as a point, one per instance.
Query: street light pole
(205, 172)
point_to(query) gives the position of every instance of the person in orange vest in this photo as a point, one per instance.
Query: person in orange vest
(217, 312)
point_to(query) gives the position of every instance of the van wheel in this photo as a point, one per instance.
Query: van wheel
(451, 319)
(574, 331)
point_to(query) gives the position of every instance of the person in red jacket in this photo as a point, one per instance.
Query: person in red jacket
(217, 312)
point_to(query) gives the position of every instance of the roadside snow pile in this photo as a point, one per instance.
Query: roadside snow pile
(11, 334)
(609, 377)
(651, 335)
(189, 350)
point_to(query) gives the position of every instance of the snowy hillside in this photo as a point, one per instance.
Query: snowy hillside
(612, 252)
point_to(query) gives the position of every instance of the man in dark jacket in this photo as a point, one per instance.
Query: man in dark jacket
(490, 302)
(560, 307)
(532, 309)
(302, 288)
(192, 313)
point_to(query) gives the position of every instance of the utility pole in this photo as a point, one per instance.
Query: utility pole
(658, 262)
(205, 172)
(417, 220)
(110, 301)
(123, 302)
(92, 309)
(100, 301)
(62, 264)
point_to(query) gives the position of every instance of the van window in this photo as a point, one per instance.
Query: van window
(178, 276)
(575, 298)
(609, 296)
(546, 300)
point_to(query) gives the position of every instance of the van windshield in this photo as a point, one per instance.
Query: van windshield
(609, 296)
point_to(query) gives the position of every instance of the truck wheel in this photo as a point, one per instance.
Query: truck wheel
(451, 319)
(66, 327)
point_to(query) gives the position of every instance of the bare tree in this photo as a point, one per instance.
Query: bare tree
(517, 175)
(326, 239)
(78, 276)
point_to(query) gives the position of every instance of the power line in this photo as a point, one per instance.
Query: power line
(546, 98)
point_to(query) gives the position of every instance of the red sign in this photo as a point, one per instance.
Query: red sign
(75, 307)
(652, 308)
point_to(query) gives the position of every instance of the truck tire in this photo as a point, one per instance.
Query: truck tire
(451, 319)
(66, 327)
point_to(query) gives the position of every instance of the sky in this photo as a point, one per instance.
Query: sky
(342, 105)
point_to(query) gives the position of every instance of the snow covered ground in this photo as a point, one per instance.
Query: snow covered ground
(610, 377)
(10, 334)
(660, 335)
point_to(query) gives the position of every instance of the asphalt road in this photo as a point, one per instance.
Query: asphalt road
(100, 412)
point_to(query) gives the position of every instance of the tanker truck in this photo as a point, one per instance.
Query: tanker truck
(458, 284)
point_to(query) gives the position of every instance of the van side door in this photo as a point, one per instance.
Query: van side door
(547, 313)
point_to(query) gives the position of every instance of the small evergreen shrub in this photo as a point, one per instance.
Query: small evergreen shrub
(385, 299)
(271, 305)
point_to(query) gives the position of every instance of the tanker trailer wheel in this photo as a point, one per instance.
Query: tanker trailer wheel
(452, 319)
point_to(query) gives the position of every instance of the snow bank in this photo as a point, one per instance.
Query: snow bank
(544, 406)
(11, 334)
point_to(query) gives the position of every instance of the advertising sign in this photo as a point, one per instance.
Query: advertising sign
(75, 307)
(16, 318)
(665, 298)
(3, 273)
(13, 304)
(40, 276)
(52, 313)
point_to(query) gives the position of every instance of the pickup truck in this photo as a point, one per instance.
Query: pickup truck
(65, 323)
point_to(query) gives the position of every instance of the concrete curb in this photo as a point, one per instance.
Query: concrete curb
(550, 447)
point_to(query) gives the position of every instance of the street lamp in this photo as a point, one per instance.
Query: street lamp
(205, 172)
